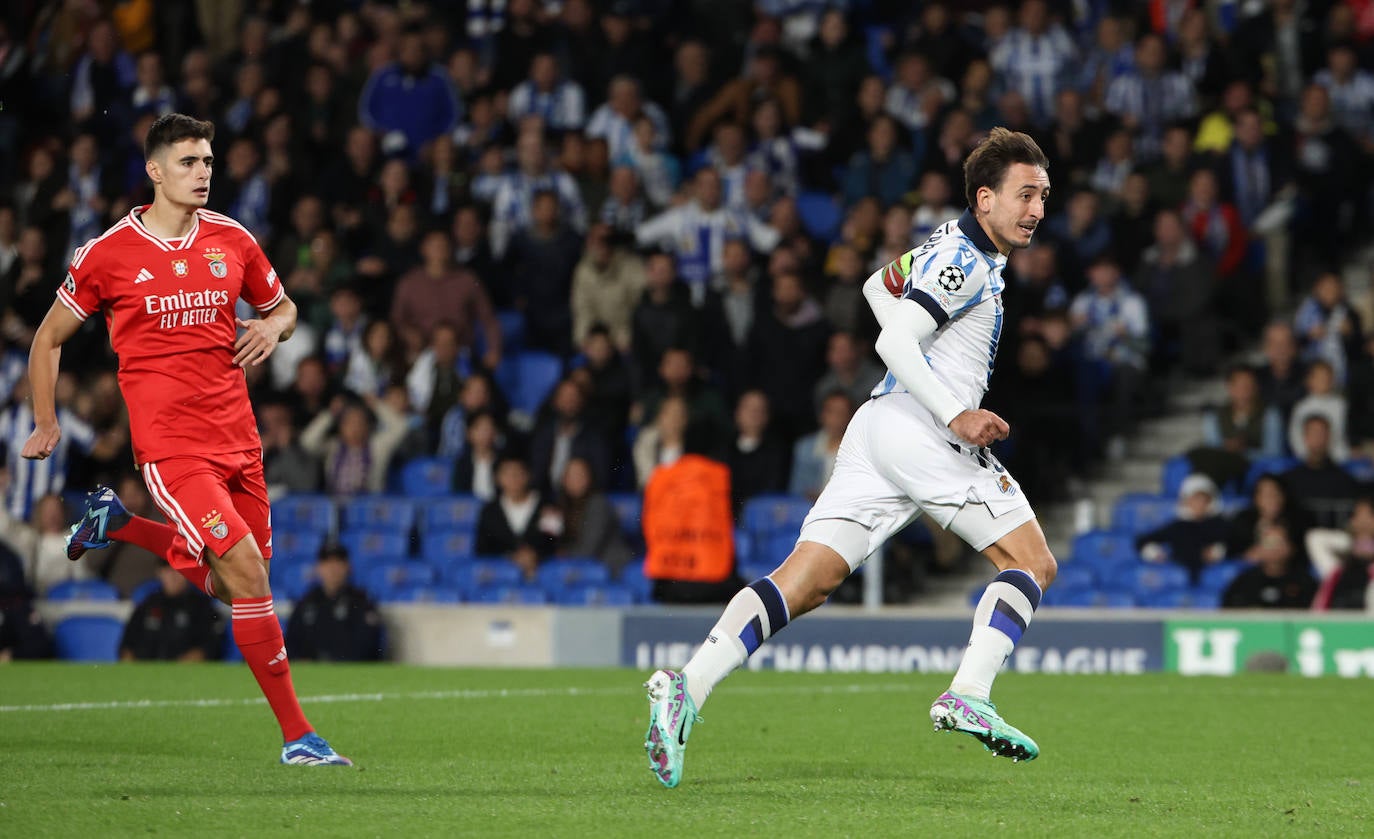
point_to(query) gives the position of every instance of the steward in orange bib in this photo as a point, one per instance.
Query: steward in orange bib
(689, 528)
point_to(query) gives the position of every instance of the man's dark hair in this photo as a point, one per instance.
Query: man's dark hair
(173, 128)
(988, 164)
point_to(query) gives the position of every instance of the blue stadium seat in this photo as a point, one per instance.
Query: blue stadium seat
(1074, 575)
(527, 378)
(751, 571)
(557, 574)
(304, 512)
(88, 638)
(1094, 598)
(291, 582)
(1103, 547)
(420, 594)
(820, 214)
(1140, 512)
(296, 546)
(744, 546)
(379, 512)
(512, 329)
(629, 507)
(767, 514)
(484, 573)
(143, 590)
(371, 547)
(601, 595)
(511, 595)
(1160, 576)
(1215, 578)
(457, 512)
(427, 477)
(398, 575)
(1179, 598)
(632, 577)
(447, 547)
(1360, 468)
(83, 590)
(1176, 470)
(1263, 465)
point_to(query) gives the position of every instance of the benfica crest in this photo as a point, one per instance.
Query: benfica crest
(179, 267)
(214, 523)
(218, 267)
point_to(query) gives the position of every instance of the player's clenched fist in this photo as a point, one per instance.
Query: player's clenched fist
(980, 428)
(42, 441)
(256, 343)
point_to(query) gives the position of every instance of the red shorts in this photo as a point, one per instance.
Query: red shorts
(213, 503)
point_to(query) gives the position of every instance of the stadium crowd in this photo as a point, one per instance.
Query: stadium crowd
(677, 202)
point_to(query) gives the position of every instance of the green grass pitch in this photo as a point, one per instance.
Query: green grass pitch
(447, 752)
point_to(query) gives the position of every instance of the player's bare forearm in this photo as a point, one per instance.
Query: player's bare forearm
(284, 313)
(260, 337)
(45, 356)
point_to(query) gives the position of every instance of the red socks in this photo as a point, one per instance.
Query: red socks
(258, 636)
(161, 539)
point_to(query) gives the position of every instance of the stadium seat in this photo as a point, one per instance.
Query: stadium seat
(296, 546)
(629, 507)
(820, 214)
(1074, 575)
(751, 571)
(1179, 598)
(1160, 576)
(88, 638)
(447, 547)
(557, 574)
(512, 329)
(420, 594)
(291, 582)
(1103, 547)
(1176, 470)
(601, 595)
(1140, 512)
(512, 595)
(457, 512)
(369, 548)
(427, 477)
(379, 512)
(143, 590)
(744, 546)
(767, 514)
(632, 577)
(1267, 465)
(83, 590)
(488, 572)
(1094, 598)
(304, 512)
(527, 378)
(1360, 468)
(399, 575)
(1215, 578)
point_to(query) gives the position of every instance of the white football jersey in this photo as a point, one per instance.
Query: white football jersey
(956, 276)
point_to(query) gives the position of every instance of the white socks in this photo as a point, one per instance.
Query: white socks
(755, 614)
(1003, 613)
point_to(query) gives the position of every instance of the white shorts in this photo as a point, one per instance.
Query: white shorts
(894, 464)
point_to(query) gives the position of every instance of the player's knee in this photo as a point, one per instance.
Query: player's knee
(1044, 567)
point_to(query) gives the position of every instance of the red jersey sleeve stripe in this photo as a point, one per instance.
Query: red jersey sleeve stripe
(276, 299)
(70, 303)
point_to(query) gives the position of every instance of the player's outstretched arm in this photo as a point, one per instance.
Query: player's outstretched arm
(261, 335)
(44, 357)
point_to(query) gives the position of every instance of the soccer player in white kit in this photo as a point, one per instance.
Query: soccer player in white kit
(919, 445)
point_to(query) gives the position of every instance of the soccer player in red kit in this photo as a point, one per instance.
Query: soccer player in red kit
(167, 277)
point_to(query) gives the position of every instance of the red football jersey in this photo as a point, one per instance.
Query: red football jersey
(169, 305)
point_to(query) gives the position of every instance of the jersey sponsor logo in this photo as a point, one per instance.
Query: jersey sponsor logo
(213, 522)
(272, 278)
(179, 267)
(951, 278)
(217, 264)
(69, 283)
(144, 275)
(186, 308)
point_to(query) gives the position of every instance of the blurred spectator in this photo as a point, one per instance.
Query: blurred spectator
(472, 251)
(1317, 481)
(562, 433)
(1150, 96)
(100, 82)
(436, 376)
(1177, 281)
(508, 525)
(1275, 581)
(1281, 375)
(1114, 324)
(788, 351)
(377, 361)
(542, 261)
(151, 93)
(30, 480)
(334, 620)
(663, 318)
(882, 169)
(344, 335)
(1328, 326)
(410, 101)
(1253, 169)
(1110, 56)
(513, 210)
(764, 77)
(355, 443)
(1217, 229)
(1324, 164)
(88, 184)
(1197, 537)
(624, 208)
(657, 171)
(21, 627)
(41, 543)
(1245, 425)
(695, 232)
(605, 379)
(1080, 231)
(844, 304)
(692, 86)
(1036, 58)
(478, 393)
(287, 466)
(758, 462)
(474, 470)
(1116, 164)
(849, 370)
(1269, 508)
(679, 376)
(606, 285)
(813, 456)
(1351, 89)
(30, 286)
(1202, 61)
(1322, 399)
(934, 209)
(1035, 396)
(663, 440)
(614, 120)
(582, 521)
(174, 623)
(916, 94)
(559, 102)
(778, 149)
(438, 292)
(1344, 561)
